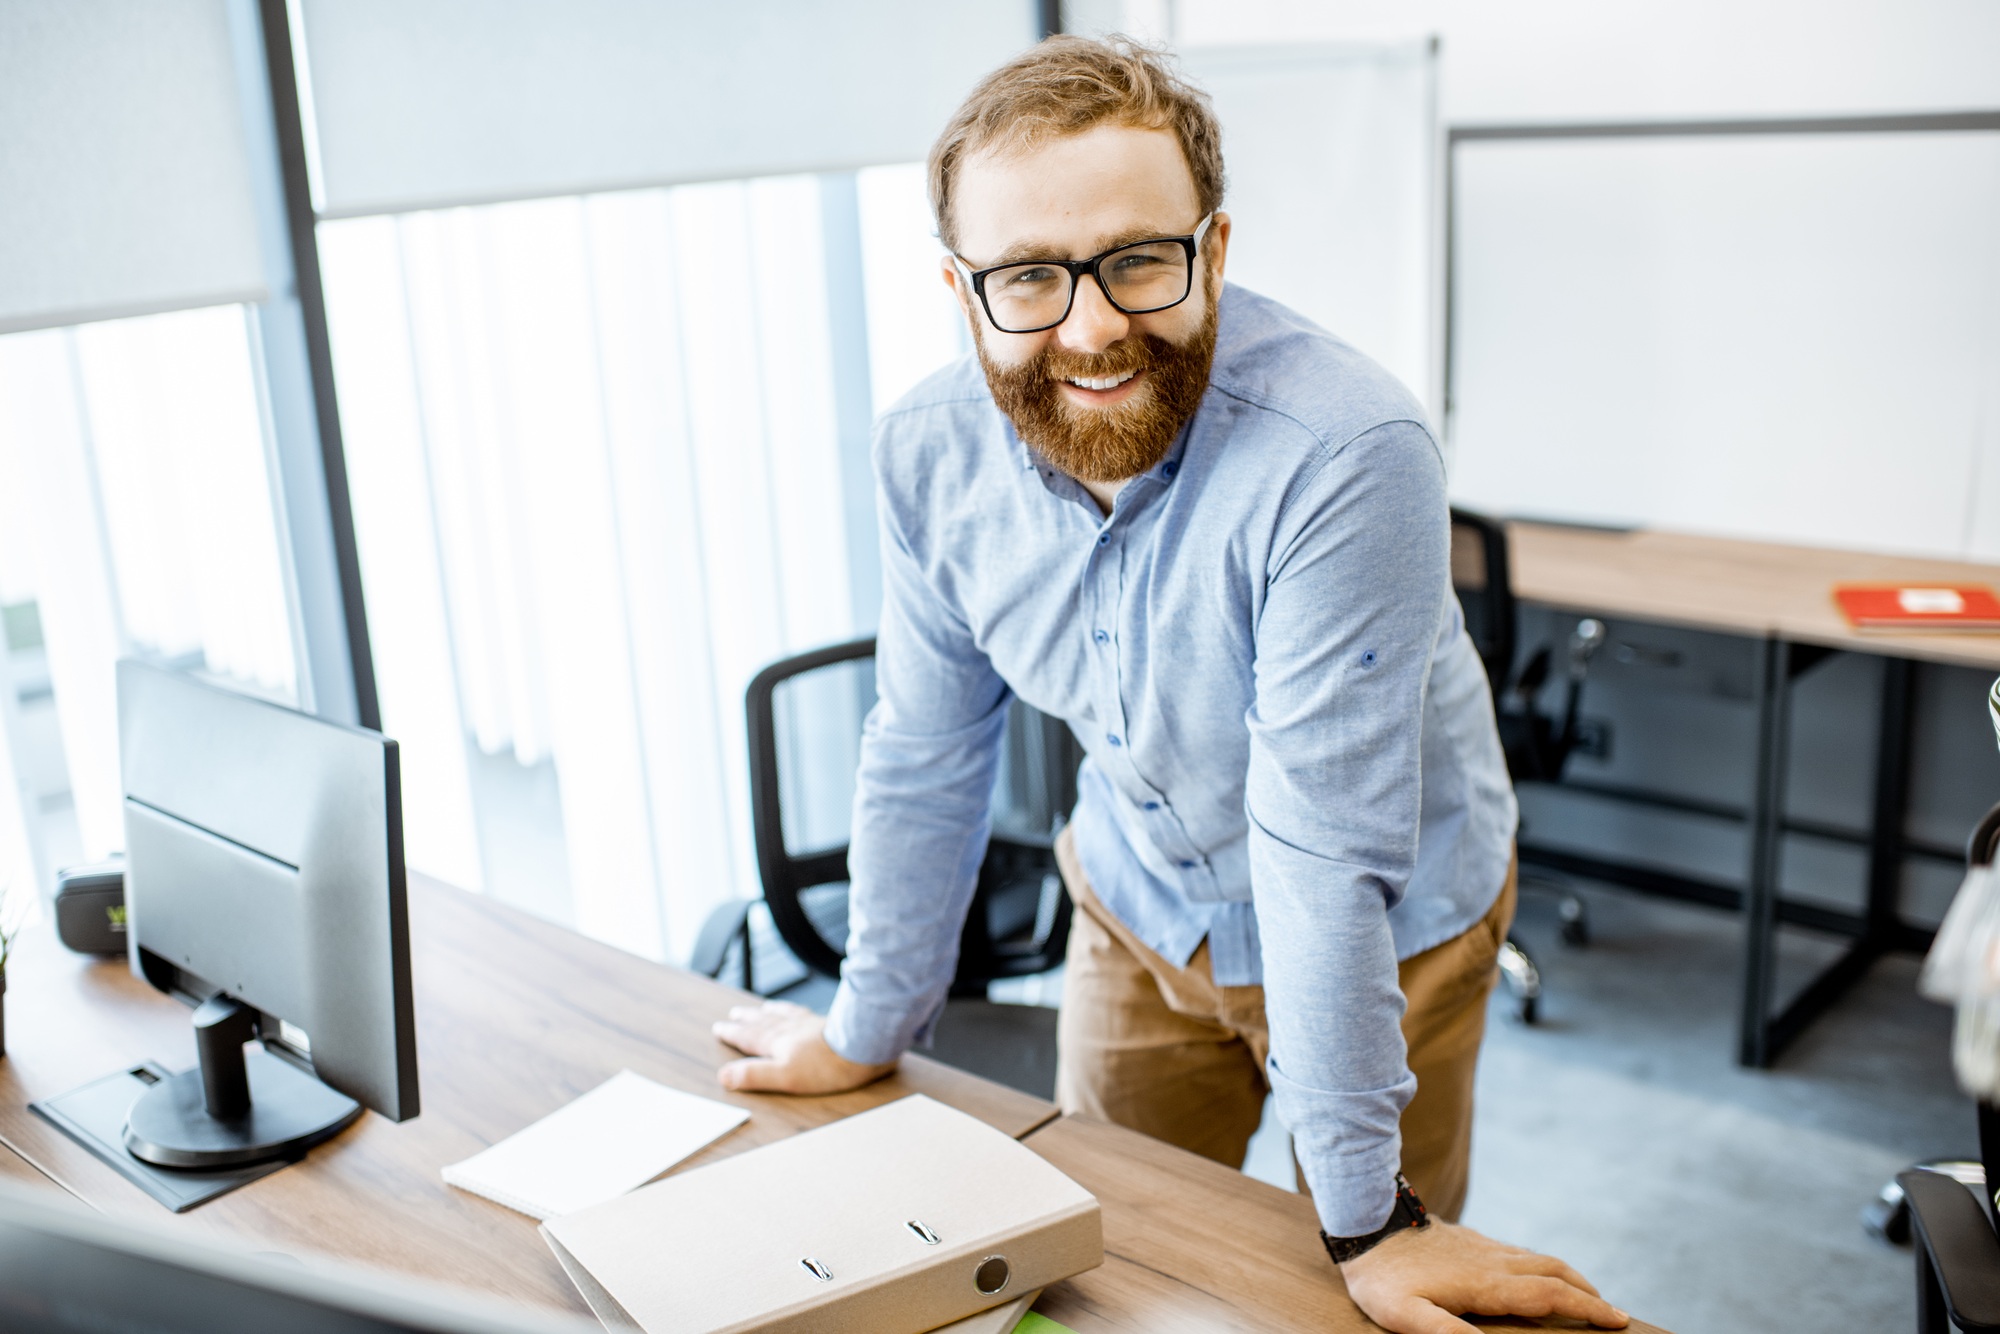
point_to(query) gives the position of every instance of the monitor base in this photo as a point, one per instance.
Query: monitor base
(94, 1116)
(290, 1111)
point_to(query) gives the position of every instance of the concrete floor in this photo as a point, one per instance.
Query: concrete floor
(1620, 1134)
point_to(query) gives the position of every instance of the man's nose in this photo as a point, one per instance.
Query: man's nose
(1093, 323)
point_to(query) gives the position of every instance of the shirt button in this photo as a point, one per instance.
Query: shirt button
(1187, 866)
(1104, 539)
(1113, 739)
(1100, 636)
(1170, 469)
(1152, 805)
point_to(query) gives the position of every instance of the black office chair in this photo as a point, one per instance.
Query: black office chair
(1536, 744)
(1949, 1207)
(1018, 923)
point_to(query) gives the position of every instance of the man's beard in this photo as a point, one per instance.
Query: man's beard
(1107, 444)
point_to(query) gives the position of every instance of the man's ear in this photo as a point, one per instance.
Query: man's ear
(1216, 243)
(959, 289)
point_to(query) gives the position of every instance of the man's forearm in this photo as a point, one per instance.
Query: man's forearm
(921, 820)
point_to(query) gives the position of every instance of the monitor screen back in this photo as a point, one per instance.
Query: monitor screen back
(64, 1271)
(264, 858)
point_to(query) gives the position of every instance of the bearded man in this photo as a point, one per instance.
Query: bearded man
(1213, 539)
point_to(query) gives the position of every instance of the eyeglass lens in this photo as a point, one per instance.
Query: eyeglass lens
(1149, 276)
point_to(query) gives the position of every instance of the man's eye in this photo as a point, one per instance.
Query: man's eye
(1134, 265)
(1029, 278)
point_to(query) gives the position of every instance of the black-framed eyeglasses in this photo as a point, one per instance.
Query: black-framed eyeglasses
(1138, 278)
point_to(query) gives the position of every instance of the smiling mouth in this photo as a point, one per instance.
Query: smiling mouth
(1101, 382)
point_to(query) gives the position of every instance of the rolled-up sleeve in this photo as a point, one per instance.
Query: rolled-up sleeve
(929, 753)
(1355, 590)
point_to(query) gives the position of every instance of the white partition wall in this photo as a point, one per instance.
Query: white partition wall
(1787, 336)
(1331, 151)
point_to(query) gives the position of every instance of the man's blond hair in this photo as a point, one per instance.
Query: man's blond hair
(1066, 85)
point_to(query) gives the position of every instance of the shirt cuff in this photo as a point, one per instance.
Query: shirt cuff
(874, 1032)
(1353, 1187)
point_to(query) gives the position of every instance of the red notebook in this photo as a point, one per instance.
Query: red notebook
(1902, 607)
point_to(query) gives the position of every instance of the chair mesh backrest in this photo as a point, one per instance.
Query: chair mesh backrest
(1468, 558)
(817, 717)
(1478, 545)
(1469, 581)
(804, 718)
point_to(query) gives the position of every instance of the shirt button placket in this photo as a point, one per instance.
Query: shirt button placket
(1113, 710)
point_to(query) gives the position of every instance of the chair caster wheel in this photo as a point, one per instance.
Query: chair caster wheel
(1887, 1216)
(1887, 1221)
(1575, 922)
(1523, 979)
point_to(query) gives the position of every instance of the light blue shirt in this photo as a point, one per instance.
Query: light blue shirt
(1290, 737)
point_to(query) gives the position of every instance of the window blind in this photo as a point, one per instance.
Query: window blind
(125, 182)
(430, 103)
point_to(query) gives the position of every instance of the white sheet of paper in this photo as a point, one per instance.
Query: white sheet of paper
(1930, 601)
(615, 1138)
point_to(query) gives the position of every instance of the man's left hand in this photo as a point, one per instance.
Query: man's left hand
(1417, 1282)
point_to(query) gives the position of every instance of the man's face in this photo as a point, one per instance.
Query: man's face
(1071, 198)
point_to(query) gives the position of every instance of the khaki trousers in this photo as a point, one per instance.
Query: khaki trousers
(1165, 1051)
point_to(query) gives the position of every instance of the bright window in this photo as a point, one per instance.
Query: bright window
(598, 480)
(139, 518)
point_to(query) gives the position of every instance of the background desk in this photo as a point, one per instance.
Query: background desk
(1782, 598)
(514, 1018)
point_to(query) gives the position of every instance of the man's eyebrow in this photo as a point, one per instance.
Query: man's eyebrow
(1023, 252)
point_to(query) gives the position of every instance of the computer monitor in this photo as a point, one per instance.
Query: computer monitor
(64, 1271)
(264, 886)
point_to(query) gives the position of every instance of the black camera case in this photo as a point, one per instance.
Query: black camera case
(90, 907)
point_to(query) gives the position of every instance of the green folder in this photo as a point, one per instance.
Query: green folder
(1040, 1324)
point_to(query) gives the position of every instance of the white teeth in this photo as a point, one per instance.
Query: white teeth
(1103, 381)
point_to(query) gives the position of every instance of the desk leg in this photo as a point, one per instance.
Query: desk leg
(1767, 813)
(1881, 928)
(1892, 788)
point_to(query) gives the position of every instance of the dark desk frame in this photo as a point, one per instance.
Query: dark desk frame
(1876, 930)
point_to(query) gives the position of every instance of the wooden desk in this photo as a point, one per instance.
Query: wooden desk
(1192, 1247)
(1782, 598)
(514, 1018)
(18, 1171)
(1756, 589)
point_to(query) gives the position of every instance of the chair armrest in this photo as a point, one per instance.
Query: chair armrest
(1958, 1238)
(711, 947)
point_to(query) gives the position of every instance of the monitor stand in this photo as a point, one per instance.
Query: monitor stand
(236, 1107)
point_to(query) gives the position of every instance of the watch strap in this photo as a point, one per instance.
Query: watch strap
(1408, 1213)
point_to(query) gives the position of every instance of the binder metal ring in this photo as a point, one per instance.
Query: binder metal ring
(992, 1275)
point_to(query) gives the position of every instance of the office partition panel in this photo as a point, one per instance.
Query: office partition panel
(424, 103)
(1332, 160)
(1782, 331)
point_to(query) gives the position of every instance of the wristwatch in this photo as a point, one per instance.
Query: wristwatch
(1408, 1213)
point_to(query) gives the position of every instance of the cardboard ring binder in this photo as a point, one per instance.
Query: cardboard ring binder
(694, 1253)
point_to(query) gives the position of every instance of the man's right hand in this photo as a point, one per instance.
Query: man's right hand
(787, 1052)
